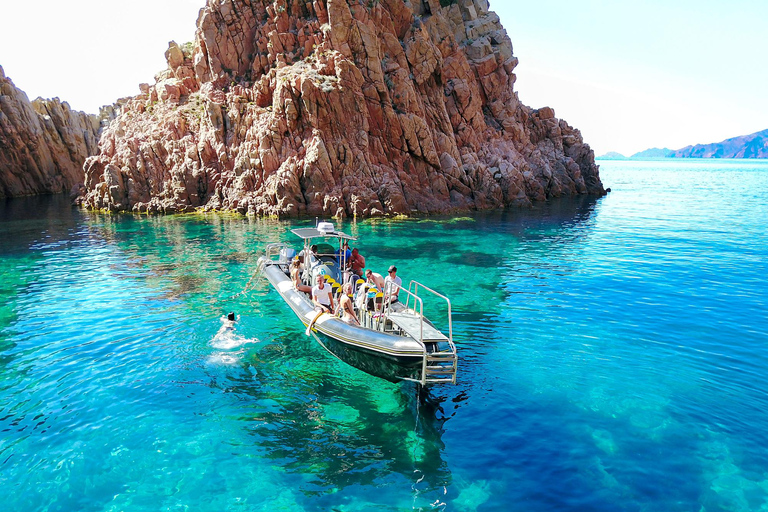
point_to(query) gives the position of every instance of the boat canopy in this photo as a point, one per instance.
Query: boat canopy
(307, 233)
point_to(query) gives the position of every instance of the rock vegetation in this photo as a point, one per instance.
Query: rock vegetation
(43, 143)
(337, 107)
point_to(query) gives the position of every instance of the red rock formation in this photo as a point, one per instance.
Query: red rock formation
(338, 107)
(43, 143)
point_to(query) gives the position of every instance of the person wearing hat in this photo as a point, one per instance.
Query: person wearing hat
(392, 296)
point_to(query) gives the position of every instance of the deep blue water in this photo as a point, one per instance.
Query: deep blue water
(613, 357)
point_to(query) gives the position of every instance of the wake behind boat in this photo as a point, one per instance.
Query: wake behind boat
(393, 340)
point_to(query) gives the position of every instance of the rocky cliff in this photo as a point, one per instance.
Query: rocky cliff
(337, 107)
(43, 143)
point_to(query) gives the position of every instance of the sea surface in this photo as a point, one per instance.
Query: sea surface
(613, 357)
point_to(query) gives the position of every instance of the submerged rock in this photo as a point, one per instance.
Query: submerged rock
(43, 143)
(337, 107)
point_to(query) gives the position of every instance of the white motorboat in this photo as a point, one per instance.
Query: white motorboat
(394, 340)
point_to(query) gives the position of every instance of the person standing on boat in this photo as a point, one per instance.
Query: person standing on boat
(344, 255)
(347, 309)
(394, 291)
(357, 261)
(322, 295)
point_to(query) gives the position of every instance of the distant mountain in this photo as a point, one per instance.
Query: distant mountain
(612, 155)
(747, 146)
(654, 153)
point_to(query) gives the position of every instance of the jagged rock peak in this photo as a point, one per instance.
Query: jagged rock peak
(43, 143)
(337, 107)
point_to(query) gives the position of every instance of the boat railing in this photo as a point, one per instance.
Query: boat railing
(270, 252)
(273, 250)
(416, 285)
(391, 286)
(438, 365)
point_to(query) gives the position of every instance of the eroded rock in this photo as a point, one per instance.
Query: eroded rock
(43, 143)
(337, 107)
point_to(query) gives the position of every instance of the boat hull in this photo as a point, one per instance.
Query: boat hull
(391, 357)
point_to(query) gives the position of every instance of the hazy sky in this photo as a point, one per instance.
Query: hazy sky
(629, 75)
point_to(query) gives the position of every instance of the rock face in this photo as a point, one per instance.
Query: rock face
(43, 143)
(337, 107)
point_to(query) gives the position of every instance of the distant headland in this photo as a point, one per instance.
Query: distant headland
(754, 145)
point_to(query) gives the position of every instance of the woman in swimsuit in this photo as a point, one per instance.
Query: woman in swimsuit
(347, 309)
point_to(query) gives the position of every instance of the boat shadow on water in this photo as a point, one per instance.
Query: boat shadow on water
(313, 415)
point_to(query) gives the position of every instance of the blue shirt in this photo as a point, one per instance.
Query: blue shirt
(340, 253)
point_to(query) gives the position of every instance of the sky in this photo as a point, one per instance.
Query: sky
(629, 75)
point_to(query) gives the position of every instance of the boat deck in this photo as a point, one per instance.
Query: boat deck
(412, 326)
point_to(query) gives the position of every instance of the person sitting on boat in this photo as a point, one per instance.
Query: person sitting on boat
(296, 277)
(347, 309)
(374, 279)
(322, 296)
(394, 289)
(357, 262)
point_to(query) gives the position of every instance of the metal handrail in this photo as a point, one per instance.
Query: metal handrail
(415, 293)
(273, 249)
(388, 287)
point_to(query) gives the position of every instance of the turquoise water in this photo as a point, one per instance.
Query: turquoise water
(613, 356)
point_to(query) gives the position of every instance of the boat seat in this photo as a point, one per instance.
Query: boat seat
(411, 324)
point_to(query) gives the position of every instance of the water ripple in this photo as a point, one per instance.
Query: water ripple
(613, 356)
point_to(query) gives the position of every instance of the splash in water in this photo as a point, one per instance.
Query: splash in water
(226, 339)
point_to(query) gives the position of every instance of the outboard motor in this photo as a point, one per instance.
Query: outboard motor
(287, 254)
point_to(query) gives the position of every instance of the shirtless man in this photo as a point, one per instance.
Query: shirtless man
(347, 309)
(357, 261)
(375, 279)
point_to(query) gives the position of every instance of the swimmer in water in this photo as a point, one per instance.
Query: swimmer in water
(228, 323)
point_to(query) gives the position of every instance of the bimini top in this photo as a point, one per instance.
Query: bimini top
(306, 233)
